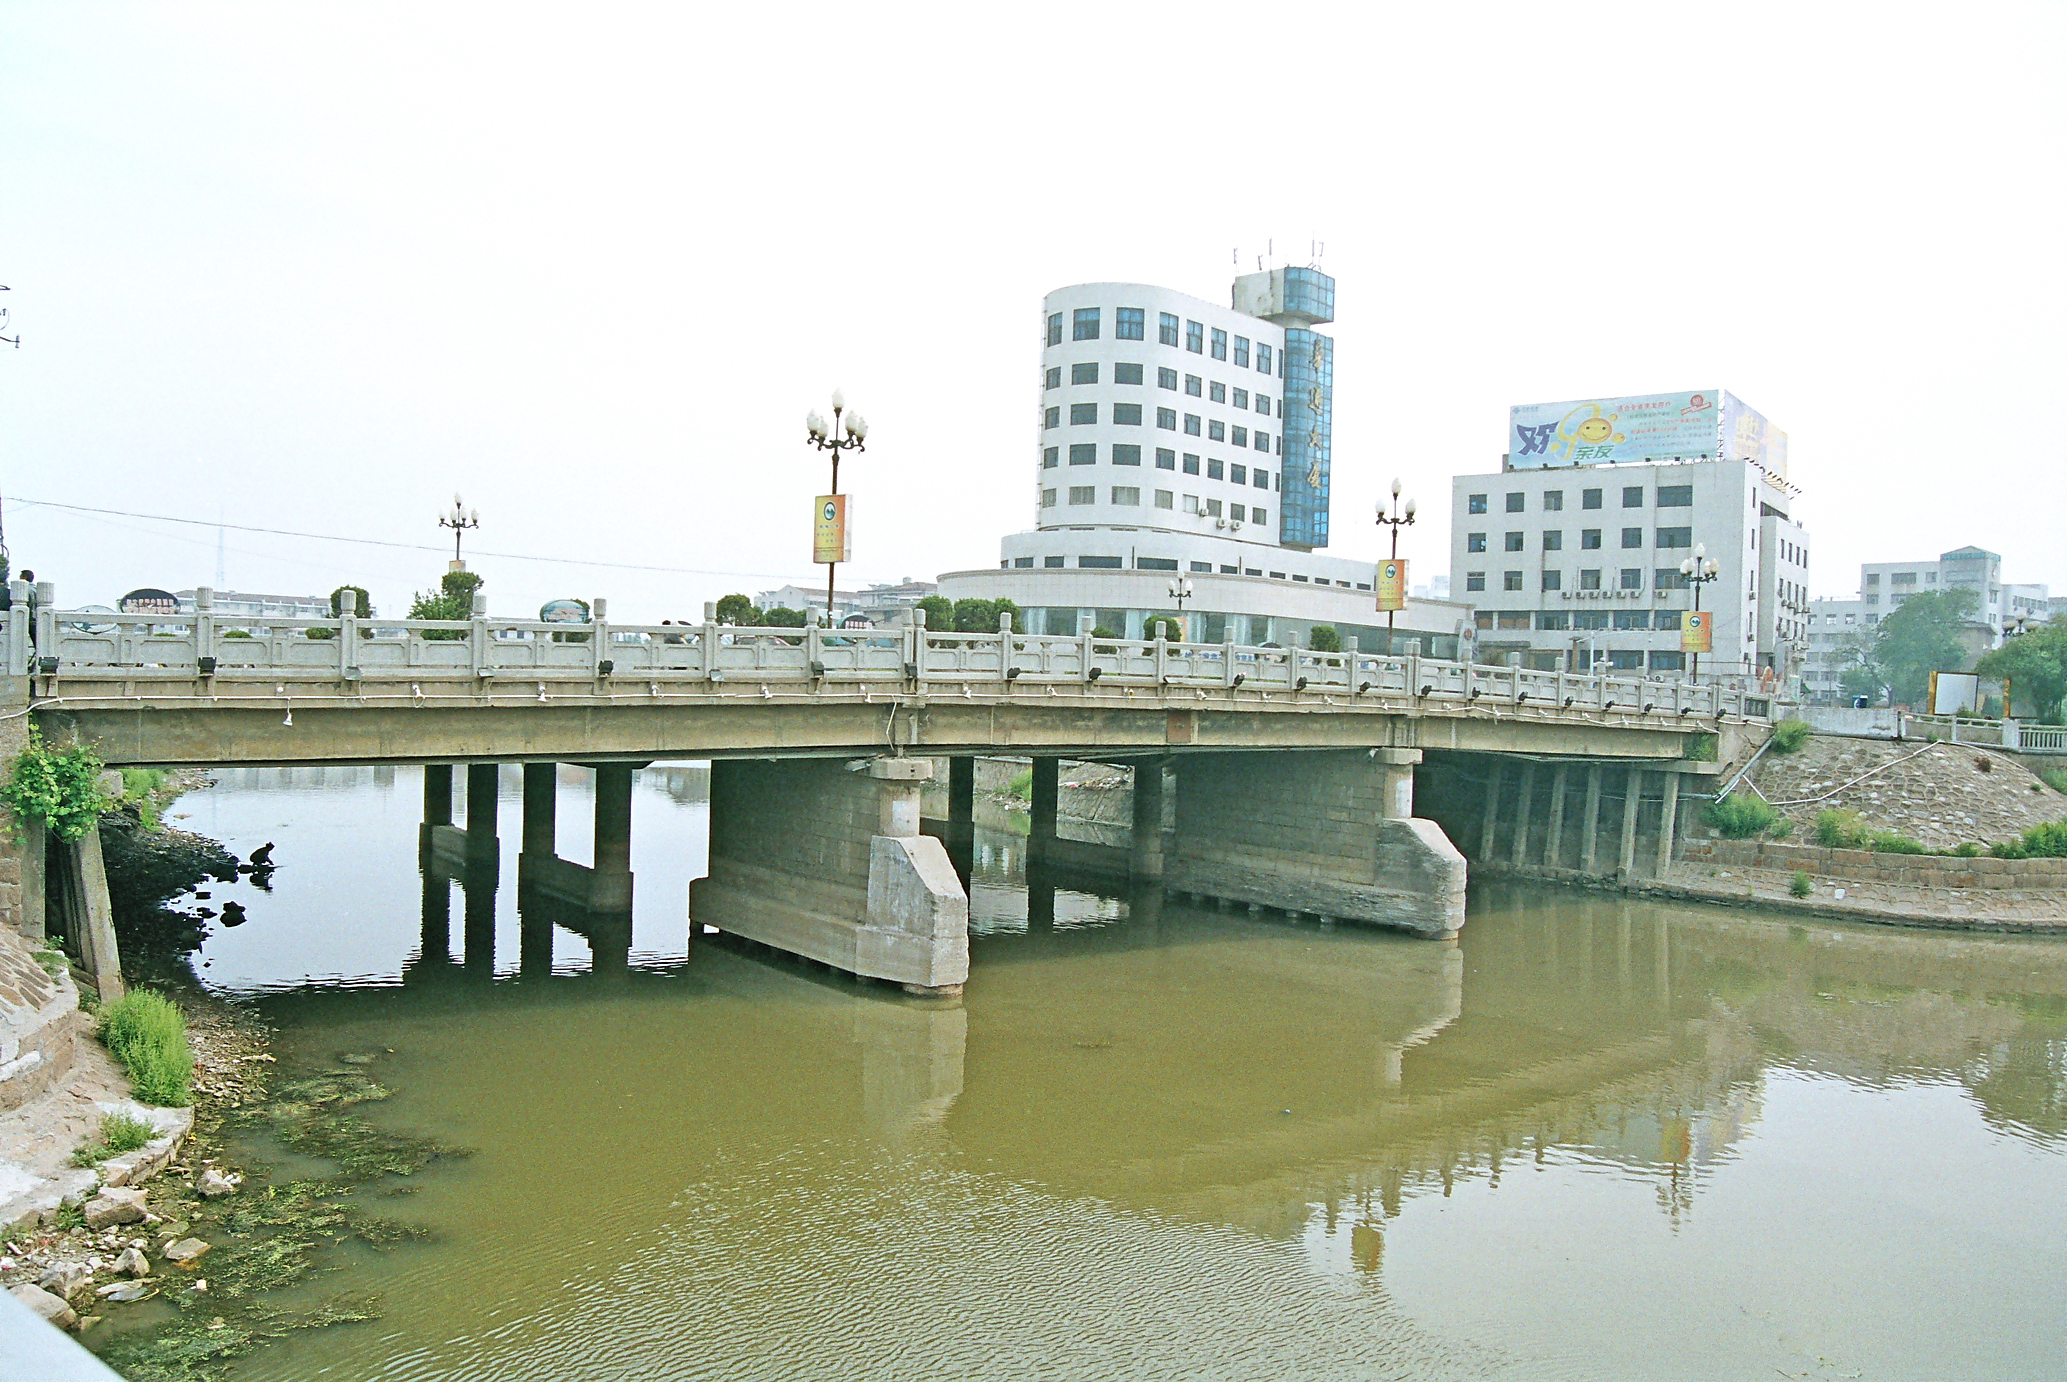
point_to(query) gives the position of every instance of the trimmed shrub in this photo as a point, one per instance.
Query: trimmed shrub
(1790, 735)
(1968, 850)
(1781, 829)
(146, 1033)
(1741, 815)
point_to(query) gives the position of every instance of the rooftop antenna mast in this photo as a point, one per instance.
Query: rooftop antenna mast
(16, 339)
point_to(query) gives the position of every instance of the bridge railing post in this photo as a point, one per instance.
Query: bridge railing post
(915, 646)
(1349, 661)
(599, 634)
(46, 617)
(814, 650)
(477, 639)
(18, 628)
(1162, 653)
(711, 639)
(1004, 646)
(1413, 668)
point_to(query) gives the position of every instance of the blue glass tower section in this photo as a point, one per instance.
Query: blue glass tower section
(1308, 432)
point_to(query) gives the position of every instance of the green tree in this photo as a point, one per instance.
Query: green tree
(1920, 637)
(940, 613)
(972, 615)
(454, 599)
(1325, 638)
(737, 609)
(2035, 665)
(783, 617)
(362, 603)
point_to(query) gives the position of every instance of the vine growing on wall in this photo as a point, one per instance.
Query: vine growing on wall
(59, 787)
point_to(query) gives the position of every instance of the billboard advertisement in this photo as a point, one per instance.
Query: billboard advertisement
(1697, 632)
(1392, 583)
(831, 540)
(1615, 431)
(1747, 436)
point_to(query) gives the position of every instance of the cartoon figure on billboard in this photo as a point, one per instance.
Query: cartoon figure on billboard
(1592, 438)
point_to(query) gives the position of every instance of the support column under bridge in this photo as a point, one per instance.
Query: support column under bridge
(822, 857)
(1332, 833)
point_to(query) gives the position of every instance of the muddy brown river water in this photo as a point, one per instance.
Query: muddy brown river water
(1594, 1139)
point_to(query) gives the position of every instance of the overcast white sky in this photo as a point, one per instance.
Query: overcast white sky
(315, 267)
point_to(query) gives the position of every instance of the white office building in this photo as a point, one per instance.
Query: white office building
(1572, 551)
(1834, 626)
(1177, 440)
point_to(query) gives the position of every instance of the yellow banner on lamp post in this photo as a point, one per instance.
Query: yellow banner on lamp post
(1392, 584)
(1697, 632)
(831, 539)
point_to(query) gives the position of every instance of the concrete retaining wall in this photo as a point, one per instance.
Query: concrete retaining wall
(1869, 866)
(1312, 832)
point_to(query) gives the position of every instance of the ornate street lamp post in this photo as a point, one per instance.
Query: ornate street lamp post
(459, 520)
(1396, 520)
(828, 438)
(1699, 570)
(1180, 591)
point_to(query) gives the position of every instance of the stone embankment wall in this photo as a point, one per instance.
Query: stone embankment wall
(1940, 795)
(1871, 866)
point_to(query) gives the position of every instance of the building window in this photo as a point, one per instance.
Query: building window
(1873, 578)
(1155, 563)
(1051, 457)
(1632, 537)
(1055, 329)
(1128, 323)
(1511, 618)
(1514, 542)
(1241, 436)
(1627, 619)
(1666, 620)
(1194, 386)
(1083, 414)
(1022, 561)
(1126, 414)
(1195, 337)
(1553, 621)
(1166, 418)
(1241, 351)
(1126, 496)
(1514, 503)
(1261, 478)
(1237, 512)
(1263, 357)
(1625, 660)
(1262, 441)
(1675, 496)
(1632, 496)
(1191, 464)
(1216, 430)
(1053, 379)
(1191, 424)
(1475, 503)
(1219, 344)
(1126, 454)
(1589, 578)
(1589, 539)
(1084, 372)
(1238, 474)
(1216, 392)
(1675, 537)
(1083, 494)
(1047, 498)
(1553, 501)
(1668, 578)
(1084, 325)
(1166, 378)
(1902, 578)
(1126, 374)
(1263, 404)
(1474, 542)
(1258, 516)
(1474, 580)
(1668, 662)
(1191, 503)
(1510, 580)
(1165, 499)
(1053, 562)
(1241, 398)
(1100, 563)
(1554, 541)
(1589, 618)
(1166, 328)
(1632, 578)
(1202, 566)
(1051, 417)
(1212, 508)
(1589, 498)
(1166, 459)
(1215, 471)
(1553, 580)
(1083, 453)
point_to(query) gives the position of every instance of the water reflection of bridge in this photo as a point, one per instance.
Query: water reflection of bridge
(1221, 1069)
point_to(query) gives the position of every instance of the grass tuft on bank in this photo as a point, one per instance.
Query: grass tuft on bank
(119, 1133)
(147, 1034)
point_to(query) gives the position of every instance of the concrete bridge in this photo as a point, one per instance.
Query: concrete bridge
(1265, 777)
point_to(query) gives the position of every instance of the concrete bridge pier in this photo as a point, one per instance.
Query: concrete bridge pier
(1149, 842)
(823, 858)
(1045, 801)
(1331, 833)
(960, 835)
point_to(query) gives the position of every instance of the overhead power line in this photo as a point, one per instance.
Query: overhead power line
(400, 546)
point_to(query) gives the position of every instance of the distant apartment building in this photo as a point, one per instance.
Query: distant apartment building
(1834, 627)
(1572, 550)
(233, 603)
(1998, 606)
(879, 604)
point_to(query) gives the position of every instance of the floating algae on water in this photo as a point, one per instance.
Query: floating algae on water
(275, 1236)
